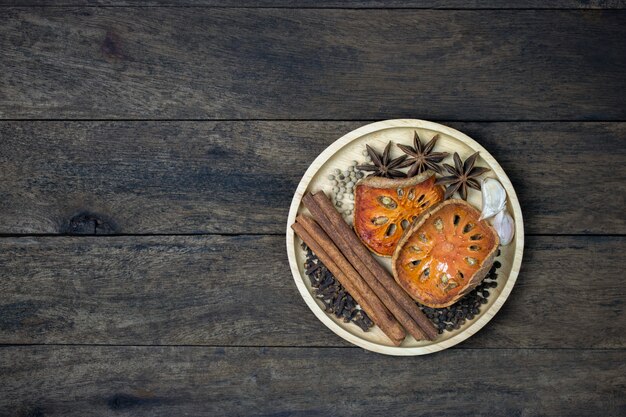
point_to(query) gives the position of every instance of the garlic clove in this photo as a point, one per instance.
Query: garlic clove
(505, 227)
(494, 197)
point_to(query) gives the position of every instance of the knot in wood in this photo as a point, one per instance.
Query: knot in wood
(110, 46)
(86, 223)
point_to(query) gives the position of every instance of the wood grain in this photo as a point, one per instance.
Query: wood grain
(166, 381)
(386, 4)
(238, 290)
(220, 63)
(239, 177)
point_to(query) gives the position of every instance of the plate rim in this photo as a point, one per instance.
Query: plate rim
(484, 318)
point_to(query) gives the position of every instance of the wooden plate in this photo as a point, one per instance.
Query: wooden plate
(349, 148)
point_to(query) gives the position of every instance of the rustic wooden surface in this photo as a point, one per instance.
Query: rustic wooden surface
(191, 290)
(180, 134)
(225, 381)
(312, 64)
(345, 4)
(154, 177)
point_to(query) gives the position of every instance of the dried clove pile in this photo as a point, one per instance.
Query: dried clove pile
(453, 317)
(331, 293)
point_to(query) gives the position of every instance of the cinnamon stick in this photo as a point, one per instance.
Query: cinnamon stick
(381, 274)
(381, 291)
(314, 237)
(321, 254)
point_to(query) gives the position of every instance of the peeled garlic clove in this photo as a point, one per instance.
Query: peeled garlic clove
(505, 227)
(494, 197)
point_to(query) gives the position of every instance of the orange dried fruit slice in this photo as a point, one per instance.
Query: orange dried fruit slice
(385, 207)
(445, 254)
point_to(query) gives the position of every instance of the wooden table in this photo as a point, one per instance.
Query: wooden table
(148, 155)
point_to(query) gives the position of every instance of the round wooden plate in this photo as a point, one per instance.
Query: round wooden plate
(350, 147)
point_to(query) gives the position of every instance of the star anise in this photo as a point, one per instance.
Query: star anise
(422, 157)
(383, 166)
(463, 176)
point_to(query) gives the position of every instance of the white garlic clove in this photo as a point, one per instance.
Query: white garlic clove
(494, 198)
(505, 227)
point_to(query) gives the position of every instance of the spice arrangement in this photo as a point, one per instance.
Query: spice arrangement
(413, 209)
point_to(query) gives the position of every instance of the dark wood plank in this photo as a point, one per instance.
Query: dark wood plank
(102, 63)
(239, 177)
(386, 4)
(214, 290)
(167, 381)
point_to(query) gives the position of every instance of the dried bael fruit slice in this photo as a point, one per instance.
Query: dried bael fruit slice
(445, 254)
(384, 208)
